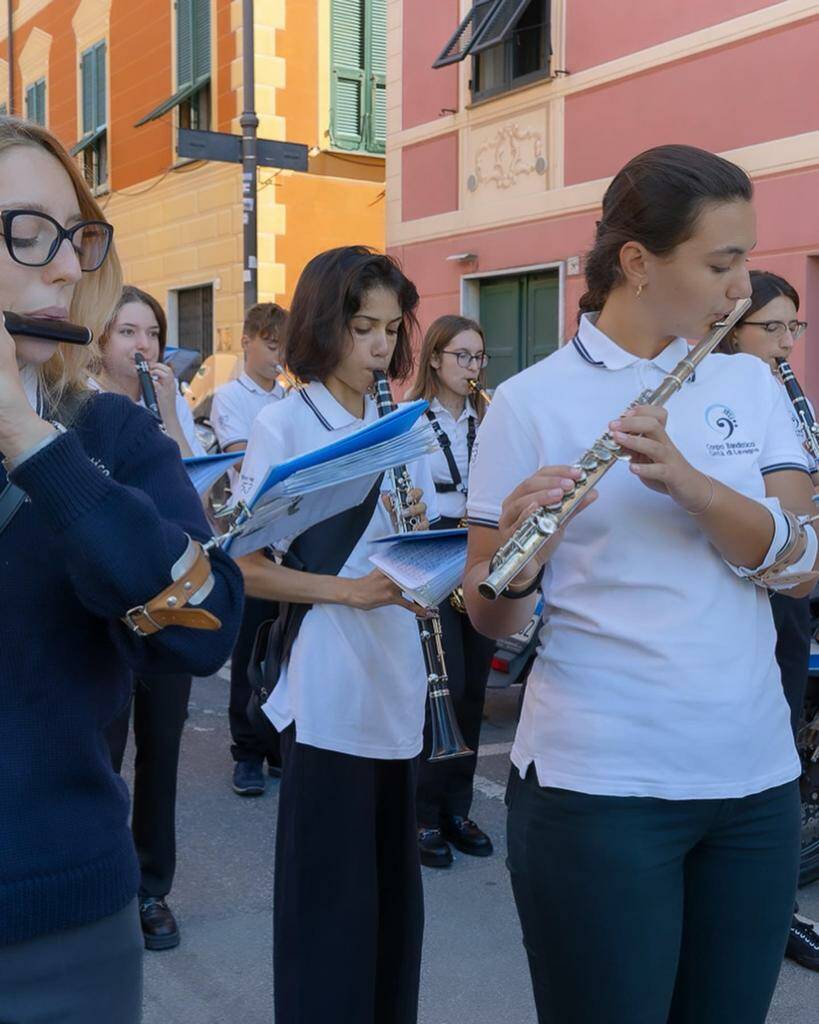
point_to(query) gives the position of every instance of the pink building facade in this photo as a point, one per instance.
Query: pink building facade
(497, 159)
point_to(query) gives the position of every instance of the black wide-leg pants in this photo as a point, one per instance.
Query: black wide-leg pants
(348, 904)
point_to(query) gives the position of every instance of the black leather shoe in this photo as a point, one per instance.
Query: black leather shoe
(466, 836)
(159, 926)
(803, 944)
(248, 778)
(435, 853)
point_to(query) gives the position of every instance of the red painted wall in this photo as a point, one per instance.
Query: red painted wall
(788, 223)
(598, 31)
(428, 24)
(430, 177)
(719, 100)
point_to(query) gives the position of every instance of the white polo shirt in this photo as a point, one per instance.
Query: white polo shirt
(236, 405)
(452, 504)
(655, 675)
(355, 681)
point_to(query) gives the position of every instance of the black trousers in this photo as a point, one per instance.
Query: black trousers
(792, 620)
(445, 788)
(636, 910)
(246, 744)
(160, 706)
(348, 905)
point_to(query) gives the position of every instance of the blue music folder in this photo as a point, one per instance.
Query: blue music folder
(205, 470)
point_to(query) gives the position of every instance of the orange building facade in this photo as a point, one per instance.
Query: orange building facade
(115, 79)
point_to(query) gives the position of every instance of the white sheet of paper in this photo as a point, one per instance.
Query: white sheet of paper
(427, 572)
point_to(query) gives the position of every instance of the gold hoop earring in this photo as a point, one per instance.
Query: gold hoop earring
(639, 291)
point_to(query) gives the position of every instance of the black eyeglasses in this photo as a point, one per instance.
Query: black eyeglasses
(34, 239)
(778, 327)
(466, 359)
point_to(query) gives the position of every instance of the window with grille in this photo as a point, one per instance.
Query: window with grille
(36, 102)
(358, 46)
(194, 309)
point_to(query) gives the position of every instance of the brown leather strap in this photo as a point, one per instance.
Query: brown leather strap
(168, 608)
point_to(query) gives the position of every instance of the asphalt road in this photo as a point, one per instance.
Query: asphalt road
(474, 967)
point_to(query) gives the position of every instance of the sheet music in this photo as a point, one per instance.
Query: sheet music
(428, 571)
(301, 492)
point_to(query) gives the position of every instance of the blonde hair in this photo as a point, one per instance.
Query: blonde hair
(439, 334)
(64, 378)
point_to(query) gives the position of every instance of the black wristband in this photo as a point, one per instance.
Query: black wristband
(514, 595)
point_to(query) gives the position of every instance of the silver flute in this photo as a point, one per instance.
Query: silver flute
(801, 407)
(540, 525)
(447, 741)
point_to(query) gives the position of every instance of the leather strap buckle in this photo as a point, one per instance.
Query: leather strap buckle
(192, 582)
(142, 611)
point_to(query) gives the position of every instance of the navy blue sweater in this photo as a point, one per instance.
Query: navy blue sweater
(109, 504)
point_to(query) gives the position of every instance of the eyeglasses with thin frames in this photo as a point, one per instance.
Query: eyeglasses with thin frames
(33, 239)
(466, 359)
(778, 327)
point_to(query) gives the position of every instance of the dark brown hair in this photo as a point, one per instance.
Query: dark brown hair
(130, 293)
(656, 200)
(439, 334)
(328, 295)
(265, 320)
(765, 287)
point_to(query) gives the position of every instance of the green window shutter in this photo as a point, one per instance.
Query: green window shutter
(100, 111)
(35, 102)
(184, 42)
(92, 69)
(377, 65)
(348, 77)
(201, 39)
(87, 65)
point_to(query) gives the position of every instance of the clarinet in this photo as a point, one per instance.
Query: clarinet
(801, 407)
(540, 525)
(480, 392)
(447, 741)
(146, 383)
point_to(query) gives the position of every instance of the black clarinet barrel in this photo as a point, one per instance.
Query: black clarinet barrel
(146, 385)
(46, 329)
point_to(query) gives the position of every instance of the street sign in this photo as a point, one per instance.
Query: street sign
(221, 146)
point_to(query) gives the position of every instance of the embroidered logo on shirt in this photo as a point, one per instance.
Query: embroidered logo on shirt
(721, 419)
(101, 466)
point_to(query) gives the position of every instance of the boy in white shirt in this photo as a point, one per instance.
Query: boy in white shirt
(235, 406)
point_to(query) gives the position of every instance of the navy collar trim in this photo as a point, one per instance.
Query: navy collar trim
(583, 352)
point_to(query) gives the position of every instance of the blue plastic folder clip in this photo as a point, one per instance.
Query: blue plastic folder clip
(390, 426)
(420, 535)
(205, 470)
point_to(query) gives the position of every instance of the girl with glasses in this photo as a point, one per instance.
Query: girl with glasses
(768, 331)
(97, 521)
(770, 328)
(453, 354)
